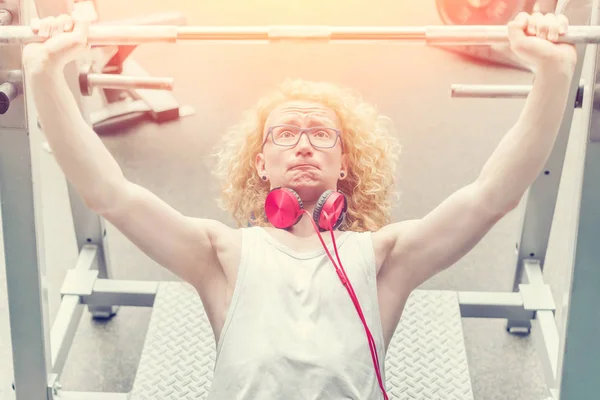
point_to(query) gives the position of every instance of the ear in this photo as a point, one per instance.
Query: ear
(259, 163)
(344, 166)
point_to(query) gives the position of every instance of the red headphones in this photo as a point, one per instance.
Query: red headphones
(283, 208)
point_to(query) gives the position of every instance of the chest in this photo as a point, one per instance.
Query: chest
(299, 244)
(302, 317)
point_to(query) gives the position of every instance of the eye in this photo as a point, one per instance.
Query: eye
(282, 131)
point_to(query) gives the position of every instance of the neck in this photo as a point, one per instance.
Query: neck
(305, 227)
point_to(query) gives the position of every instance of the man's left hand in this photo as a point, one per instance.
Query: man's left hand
(533, 38)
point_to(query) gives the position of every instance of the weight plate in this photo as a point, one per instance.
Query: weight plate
(481, 12)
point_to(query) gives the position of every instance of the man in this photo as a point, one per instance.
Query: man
(283, 322)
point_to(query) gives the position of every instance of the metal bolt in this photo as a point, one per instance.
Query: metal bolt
(5, 18)
(56, 387)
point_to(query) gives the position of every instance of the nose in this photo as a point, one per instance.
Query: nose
(304, 145)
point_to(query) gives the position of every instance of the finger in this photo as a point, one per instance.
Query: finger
(68, 25)
(541, 25)
(518, 25)
(54, 26)
(64, 23)
(82, 29)
(70, 42)
(552, 23)
(563, 22)
(64, 44)
(35, 25)
(45, 27)
(57, 25)
(521, 20)
(532, 25)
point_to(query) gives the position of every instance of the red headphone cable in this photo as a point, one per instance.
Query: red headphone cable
(346, 282)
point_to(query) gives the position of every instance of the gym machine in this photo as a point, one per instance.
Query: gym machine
(429, 337)
(124, 106)
(126, 92)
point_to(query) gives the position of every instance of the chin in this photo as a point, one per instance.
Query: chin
(309, 192)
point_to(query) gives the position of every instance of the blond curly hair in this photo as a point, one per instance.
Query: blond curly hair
(368, 140)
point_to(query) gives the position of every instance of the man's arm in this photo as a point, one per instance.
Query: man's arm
(418, 249)
(523, 152)
(181, 244)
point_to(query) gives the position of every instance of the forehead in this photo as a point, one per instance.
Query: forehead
(300, 112)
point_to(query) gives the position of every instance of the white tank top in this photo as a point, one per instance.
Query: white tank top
(292, 331)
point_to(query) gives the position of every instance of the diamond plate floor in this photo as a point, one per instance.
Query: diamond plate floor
(179, 351)
(426, 358)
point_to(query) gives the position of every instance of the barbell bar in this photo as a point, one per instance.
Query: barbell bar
(502, 92)
(10, 89)
(433, 34)
(491, 91)
(109, 81)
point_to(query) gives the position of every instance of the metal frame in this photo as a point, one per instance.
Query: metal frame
(542, 195)
(580, 354)
(40, 352)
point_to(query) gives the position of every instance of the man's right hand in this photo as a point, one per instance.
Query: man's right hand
(66, 41)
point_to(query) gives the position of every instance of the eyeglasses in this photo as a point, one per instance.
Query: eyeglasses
(288, 136)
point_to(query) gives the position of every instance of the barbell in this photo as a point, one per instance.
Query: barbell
(430, 35)
(505, 92)
(88, 81)
(9, 90)
(491, 91)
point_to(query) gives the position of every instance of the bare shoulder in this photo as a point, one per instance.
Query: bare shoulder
(226, 243)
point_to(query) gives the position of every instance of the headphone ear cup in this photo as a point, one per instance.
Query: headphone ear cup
(334, 204)
(319, 208)
(283, 207)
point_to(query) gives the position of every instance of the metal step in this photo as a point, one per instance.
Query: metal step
(426, 358)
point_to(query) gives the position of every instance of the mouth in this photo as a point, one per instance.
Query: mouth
(303, 166)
